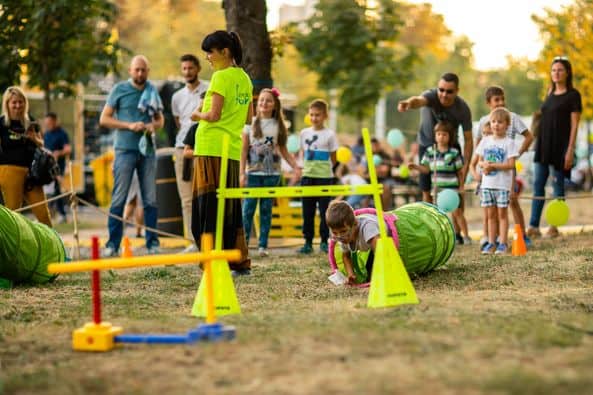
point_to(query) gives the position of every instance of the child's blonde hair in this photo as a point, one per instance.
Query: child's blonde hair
(486, 128)
(501, 113)
(320, 105)
(339, 213)
(276, 114)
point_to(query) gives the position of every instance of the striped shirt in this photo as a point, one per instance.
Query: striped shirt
(447, 163)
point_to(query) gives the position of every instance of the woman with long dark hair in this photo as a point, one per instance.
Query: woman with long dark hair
(226, 109)
(555, 142)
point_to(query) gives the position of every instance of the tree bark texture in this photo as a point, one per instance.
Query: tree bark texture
(248, 19)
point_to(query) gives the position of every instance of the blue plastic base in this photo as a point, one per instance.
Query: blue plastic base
(204, 332)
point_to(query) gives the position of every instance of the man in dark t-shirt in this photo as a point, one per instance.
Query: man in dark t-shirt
(56, 140)
(441, 104)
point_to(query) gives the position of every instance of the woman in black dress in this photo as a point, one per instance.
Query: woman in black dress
(555, 143)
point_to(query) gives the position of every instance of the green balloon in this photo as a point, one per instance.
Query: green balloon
(293, 143)
(557, 213)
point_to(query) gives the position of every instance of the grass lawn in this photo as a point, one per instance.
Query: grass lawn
(484, 325)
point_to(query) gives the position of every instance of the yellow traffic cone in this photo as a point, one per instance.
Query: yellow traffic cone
(390, 283)
(225, 297)
(126, 251)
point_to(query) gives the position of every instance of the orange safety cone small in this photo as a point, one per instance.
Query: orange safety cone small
(126, 251)
(518, 248)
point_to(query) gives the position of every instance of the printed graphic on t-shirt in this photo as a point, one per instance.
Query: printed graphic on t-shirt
(261, 155)
(494, 155)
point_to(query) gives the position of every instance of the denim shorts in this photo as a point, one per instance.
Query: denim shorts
(494, 197)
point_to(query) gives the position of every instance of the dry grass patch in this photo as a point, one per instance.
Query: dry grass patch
(484, 325)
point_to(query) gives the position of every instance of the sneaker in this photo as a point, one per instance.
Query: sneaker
(459, 238)
(483, 242)
(62, 219)
(467, 240)
(323, 246)
(110, 252)
(528, 242)
(306, 249)
(488, 249)
(501, 249)
(533, 233)
(552, 232)
(190, 248)
(154, 250)
(240, 272)
(262, 252)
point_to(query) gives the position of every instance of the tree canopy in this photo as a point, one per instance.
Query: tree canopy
(61, 42)
(353, 49)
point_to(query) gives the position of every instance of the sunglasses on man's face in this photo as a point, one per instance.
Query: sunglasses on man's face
(447, 91)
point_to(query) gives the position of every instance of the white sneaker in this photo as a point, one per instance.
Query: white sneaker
(263, 252)
(467, 240)
(110, 252)
(190, 248)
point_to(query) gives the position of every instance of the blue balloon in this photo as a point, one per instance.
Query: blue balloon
(448, 200)
(377, 160)
(293, 144)
(395, 138)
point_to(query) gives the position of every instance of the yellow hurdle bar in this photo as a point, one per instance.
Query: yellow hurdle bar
(308, 191)
(143, 261)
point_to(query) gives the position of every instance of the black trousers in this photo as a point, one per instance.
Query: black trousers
(309, 206)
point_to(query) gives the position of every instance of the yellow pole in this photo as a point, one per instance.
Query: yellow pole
(143, 261)
(373, 176)
(207, 247)
(224, 165)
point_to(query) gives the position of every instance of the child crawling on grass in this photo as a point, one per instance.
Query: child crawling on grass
(354, 233)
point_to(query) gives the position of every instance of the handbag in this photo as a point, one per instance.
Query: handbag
(44, 169)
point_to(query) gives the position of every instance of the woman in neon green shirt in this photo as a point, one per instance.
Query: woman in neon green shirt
(226, 109)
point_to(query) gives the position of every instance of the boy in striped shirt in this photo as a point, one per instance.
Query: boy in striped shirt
(448, 163)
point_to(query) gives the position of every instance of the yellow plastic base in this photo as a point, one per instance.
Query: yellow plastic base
(95, 337)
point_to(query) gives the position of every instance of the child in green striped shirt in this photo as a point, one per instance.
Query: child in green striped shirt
(446, 162)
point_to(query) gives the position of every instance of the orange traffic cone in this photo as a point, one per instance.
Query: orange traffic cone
(126, 251)
(519, 248)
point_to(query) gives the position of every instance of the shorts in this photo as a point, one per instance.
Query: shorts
(494, 197)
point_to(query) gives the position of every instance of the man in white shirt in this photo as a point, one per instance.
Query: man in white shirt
(183, 103)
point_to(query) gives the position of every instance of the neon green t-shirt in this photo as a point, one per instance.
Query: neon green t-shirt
(235, 86)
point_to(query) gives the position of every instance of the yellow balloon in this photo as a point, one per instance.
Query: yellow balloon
(343, 154)
(557, 212)
(404, 171)
(518, 166)
(590, 138)
(307, 120)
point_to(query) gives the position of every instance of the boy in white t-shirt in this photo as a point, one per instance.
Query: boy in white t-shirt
(495, 98)
(496, 157)
(318, 145)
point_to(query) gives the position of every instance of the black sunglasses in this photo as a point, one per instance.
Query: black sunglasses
(448, 91)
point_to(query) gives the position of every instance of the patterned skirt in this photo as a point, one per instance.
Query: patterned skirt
(206, 180)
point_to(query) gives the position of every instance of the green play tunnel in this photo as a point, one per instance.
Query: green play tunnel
(424, 237)
(26, 248)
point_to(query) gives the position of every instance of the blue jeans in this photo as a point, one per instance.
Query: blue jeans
(126, 162)
(265, 208)
(541, 173)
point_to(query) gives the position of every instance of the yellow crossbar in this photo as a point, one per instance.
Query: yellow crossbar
(308, 191)
(143, 261)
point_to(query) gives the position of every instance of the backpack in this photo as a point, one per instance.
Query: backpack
(44, 168)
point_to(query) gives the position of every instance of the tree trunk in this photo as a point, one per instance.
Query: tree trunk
(248, 19)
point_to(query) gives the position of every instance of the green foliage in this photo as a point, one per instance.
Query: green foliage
(352, 48)
(12, 24)
(65, 41)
